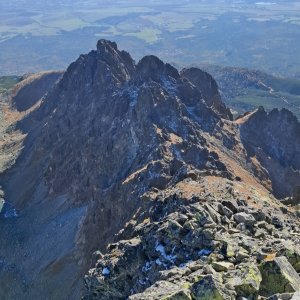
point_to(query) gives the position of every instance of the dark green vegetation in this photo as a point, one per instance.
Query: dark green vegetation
(244, 90)
(7, 82)
(37, 36)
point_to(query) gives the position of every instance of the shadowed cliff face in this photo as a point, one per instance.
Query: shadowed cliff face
(274, 139)
(27, 93)
(209, 89)
(105, 136)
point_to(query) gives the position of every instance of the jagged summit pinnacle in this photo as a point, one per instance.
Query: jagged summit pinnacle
(149, 63)
(106, 44)
(209, 88)
(151, 66)
(108, 69)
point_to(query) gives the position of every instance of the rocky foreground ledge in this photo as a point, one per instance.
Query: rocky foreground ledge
(189, 245)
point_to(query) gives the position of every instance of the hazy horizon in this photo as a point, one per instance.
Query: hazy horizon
(36, 36)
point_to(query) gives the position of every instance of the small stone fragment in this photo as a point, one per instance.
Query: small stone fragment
(221, 266)
(245, 218)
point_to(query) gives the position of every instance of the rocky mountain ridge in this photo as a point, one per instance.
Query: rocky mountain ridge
(145, 164)
(244, 89)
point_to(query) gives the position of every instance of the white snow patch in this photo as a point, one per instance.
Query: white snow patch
(11, 213)
(169, 86)
(147, 267)
(161, 249)
(105, 271)
(182, 266)
(133, 96)
(177, 154)
(1, 204)
(204, 252)
(142, 282)
(130, 91)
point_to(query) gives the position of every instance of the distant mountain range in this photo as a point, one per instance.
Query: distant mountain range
(244, 89)
(37, 36)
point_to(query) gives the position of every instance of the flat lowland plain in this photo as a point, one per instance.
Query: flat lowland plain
(37, 36)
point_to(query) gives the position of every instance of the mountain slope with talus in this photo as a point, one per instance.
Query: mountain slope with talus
(143, 163)
(244, 89)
